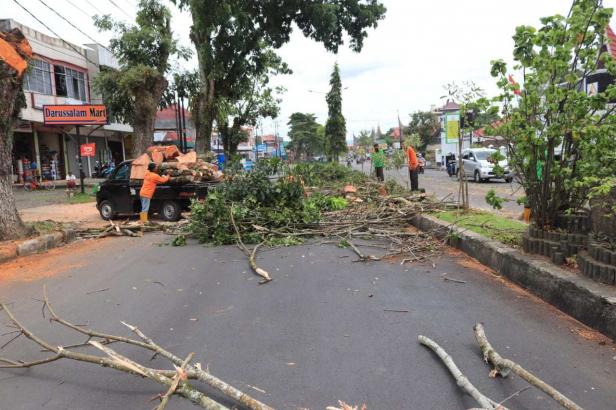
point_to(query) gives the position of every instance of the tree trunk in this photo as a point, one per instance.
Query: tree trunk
(11, 99)
(146, 104)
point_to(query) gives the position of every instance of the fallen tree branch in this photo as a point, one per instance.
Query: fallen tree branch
(194, 372)
(362, 257)
(504, 366)
(170, 378)
(251, 255)
(461, 379)
(179, 377)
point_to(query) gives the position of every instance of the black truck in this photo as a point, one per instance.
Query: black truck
(119, 195)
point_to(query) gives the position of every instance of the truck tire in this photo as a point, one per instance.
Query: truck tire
(107, 210)
(170, 211)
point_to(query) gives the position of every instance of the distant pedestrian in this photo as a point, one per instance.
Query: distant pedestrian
(378, 162)
(413, 168)
(150, 180)
(71, 181)
(34, 169)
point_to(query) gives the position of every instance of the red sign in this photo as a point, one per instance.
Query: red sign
(88, 150)
(84, 114)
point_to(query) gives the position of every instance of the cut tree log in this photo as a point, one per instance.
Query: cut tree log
(504, 366)
(462, 381)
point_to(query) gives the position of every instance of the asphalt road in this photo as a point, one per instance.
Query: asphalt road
(313, 336)
(441, 185)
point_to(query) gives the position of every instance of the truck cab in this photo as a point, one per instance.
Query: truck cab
(119, 195)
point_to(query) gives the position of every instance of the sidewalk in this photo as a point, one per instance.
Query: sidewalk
(61, 183)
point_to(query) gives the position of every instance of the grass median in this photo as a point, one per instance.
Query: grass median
(490, 225)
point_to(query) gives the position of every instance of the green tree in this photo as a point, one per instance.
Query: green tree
(560, 137)
(232, 38)
(11, 101)
(256, 101)
(306, 134)
(364, 139)
(134, 92)
(427, 126)
(335, 127)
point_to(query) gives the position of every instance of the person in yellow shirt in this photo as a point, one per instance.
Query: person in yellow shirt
(150, 180)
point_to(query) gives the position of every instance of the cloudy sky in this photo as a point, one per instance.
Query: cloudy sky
(406, 60)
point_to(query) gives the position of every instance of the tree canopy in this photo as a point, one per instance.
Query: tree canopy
(233, 39)
(133, 93)
(306, 134)
(426, 125)
(560, 131)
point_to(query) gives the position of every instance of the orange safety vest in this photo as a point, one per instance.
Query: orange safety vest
(150, 180)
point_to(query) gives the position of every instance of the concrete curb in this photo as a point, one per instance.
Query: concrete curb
(37, 245)
(589, 302)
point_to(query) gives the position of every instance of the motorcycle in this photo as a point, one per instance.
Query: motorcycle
(421, 165)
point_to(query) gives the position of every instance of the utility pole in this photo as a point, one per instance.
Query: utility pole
(81, 176)
(176, 111)
(183, 122)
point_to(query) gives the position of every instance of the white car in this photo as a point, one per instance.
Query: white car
(477, 165)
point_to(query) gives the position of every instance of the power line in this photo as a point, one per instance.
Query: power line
(93, 6)
(119, 8)
(72, 25)
(79, 8)
(56, 34)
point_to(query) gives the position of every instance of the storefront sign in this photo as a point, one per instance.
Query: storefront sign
(88, 150)
(86, 114)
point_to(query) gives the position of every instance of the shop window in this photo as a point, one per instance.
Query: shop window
(60, 77)
(38, 78)
(70, 83)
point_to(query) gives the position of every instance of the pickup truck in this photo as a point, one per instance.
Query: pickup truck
(119, 195)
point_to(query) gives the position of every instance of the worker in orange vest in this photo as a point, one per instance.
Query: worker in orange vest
(150, 180)
(413, 168)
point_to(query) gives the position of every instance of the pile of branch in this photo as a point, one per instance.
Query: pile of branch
(502, 367)
(175, 380)
(130, 228)
(384, 218)
(371, 215)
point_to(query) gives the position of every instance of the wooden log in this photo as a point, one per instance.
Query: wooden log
(504, 366)
(462, 381)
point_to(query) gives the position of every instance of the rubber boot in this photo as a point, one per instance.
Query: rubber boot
(143, 217)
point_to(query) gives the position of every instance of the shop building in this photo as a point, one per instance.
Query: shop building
(60, 73)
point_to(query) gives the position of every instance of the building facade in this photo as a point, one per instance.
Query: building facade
(61, 73)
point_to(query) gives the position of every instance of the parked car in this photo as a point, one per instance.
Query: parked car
(119, 195)
(479, 166)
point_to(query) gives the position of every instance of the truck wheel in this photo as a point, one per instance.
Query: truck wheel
(107, 210)
(171, 211)
(508, 180)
